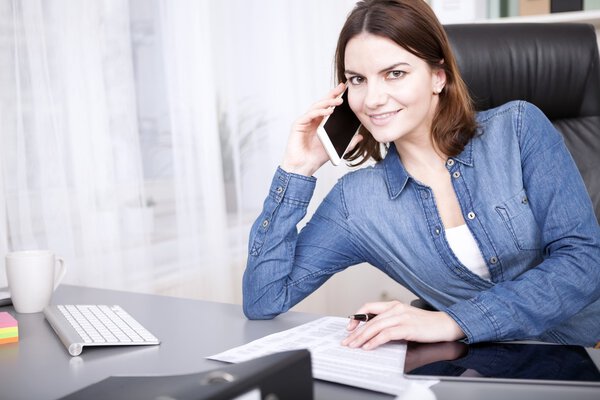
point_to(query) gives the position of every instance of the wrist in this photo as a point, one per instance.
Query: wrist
(453, 330)
(304, 170)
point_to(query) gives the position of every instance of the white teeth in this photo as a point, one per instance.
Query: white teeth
(382, 116)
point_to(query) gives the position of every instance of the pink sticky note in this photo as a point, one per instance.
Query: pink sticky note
(7, 320)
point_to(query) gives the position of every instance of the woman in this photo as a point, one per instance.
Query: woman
(484, 216)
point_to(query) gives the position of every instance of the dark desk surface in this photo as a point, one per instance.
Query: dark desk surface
(39, 366)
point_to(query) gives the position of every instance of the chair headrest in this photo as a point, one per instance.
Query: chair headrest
(552, 65)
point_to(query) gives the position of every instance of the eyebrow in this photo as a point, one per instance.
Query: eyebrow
(348, 71)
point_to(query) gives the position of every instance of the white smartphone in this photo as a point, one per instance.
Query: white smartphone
(337, 129)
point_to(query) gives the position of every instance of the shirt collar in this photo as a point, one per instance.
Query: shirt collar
(466, 156)
(396, 175)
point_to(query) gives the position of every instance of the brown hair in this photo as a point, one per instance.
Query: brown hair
(413, 25)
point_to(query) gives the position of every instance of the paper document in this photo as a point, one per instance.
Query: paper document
(380, 369)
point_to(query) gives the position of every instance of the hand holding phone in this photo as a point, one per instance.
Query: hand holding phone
(337, 130)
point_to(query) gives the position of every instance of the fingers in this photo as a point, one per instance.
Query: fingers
(403, 322)
(322, 108)
(378, 307)
(382, 337)
(376, 332)
(313, 115)
(338, 90)
(370, 308)
(304, 152)
(352, 325)
(332, 99)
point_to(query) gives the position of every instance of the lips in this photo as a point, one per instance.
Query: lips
(383, 118)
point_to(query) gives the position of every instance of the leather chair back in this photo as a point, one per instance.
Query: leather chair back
(552, 65)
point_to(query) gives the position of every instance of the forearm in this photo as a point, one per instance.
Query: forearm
(539, 300)
(568, 278)
(271, 245)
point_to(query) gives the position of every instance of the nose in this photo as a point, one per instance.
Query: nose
(376, 95)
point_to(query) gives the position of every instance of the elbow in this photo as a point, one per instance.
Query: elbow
(260, 302)
(257, 304)
(253, 311)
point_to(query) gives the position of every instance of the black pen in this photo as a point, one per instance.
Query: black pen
(362, 317)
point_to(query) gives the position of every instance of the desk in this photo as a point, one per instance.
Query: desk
(39, 367)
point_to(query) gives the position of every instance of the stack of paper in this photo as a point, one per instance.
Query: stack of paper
(9, 328)
(380, 370)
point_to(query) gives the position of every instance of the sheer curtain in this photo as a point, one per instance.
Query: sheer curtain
(70, 150)
(139, 137)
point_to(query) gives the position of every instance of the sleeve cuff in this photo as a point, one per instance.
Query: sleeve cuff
(475, 321)
(292, 188)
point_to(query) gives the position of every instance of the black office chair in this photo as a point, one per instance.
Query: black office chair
(554, 66)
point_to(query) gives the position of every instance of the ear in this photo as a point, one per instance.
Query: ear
(438, 80)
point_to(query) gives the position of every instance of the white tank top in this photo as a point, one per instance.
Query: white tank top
(465, 248)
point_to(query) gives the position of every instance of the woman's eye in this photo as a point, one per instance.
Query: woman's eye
(396, 74)
(355, 80)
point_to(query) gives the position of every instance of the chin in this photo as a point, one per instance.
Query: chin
(387, 136)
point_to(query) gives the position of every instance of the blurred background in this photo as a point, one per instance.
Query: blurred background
(138, 138)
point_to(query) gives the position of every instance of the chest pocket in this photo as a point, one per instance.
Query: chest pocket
(519, 221)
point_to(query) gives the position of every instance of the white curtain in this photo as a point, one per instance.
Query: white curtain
(70, 148)
(138, 138)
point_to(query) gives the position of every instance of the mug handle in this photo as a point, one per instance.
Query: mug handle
(61, 273)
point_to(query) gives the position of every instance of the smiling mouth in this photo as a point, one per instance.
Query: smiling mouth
(382, 117)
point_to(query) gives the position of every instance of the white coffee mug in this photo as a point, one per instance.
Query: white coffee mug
(32, 277)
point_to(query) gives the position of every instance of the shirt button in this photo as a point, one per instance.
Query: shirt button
(265, 223)
(424, 194)
(471, 215)
(279, 189)
(493, 260)
(450, 162)
(524, 200)
(456, 174)
(437, 231)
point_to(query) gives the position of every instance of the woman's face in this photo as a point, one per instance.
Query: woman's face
(391, 90)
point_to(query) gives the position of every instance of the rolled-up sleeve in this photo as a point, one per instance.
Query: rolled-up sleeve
(285, 266)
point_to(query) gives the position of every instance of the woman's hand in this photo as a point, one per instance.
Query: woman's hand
(304, 153)
(398, 321)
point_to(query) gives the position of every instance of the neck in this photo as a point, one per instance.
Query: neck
(420, 156)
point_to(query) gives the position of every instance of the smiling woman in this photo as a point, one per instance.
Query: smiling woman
(424, 43)
(390, 89)
(444, 167)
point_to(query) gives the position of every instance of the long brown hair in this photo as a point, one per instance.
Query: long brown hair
(413, 25)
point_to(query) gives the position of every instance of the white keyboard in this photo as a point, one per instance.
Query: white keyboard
(96, 325)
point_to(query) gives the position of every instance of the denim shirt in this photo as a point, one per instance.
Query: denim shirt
(521, 196)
